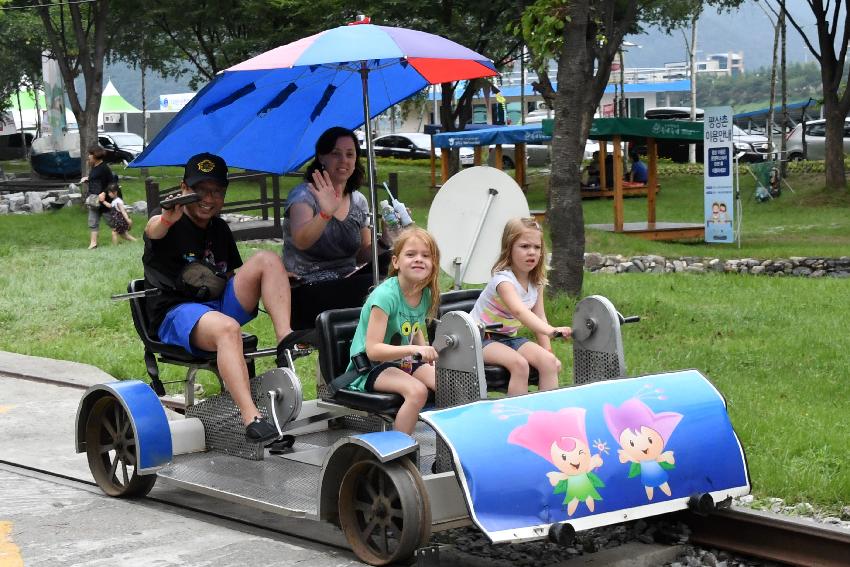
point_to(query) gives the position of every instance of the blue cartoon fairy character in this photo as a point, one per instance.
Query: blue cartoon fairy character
(560, 438)
(642, 435)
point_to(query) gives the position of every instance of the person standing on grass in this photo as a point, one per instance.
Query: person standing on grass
(98, 179)
(206, 318)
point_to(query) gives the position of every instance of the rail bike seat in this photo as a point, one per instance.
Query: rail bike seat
(464, 300)
(157, 351)
(336, 328)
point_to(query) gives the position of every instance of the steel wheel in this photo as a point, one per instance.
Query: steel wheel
(384, 511)
(111, 450)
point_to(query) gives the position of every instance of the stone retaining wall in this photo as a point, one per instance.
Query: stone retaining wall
(794, 266)
(40, 201)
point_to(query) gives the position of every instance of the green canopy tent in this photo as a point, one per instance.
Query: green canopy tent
(112, 101)
(618, 130)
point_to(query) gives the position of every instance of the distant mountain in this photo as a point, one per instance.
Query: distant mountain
(128, 81)
(746, 30)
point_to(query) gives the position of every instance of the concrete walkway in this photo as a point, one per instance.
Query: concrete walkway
(48, 521)
(59, 372)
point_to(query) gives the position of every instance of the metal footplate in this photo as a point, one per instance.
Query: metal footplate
(597, 341)
(223, 428)
(460, 370)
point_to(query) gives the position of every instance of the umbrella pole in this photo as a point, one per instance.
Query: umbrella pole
(373, 194)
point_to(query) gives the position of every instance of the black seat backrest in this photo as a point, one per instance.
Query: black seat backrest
(336, 328)
(456, 300)
(140, 314)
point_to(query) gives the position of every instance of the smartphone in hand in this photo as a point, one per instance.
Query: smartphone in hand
(169, 203)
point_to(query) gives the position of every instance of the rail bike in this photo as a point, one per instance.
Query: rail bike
(606, 450)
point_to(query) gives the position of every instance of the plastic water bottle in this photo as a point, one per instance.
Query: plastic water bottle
(401, 213)
(400, 210)
(391, 222)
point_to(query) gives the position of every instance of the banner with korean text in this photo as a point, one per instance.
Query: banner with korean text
(718, 161)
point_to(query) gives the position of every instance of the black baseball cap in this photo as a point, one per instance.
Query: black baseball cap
(205, 166)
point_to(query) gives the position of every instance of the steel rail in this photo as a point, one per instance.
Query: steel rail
(790, 540)
(764, 535)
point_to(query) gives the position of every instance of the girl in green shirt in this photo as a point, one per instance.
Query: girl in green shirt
(392, 327)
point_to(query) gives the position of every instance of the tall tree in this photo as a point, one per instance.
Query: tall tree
(79, 36)
(584, 37)
(203, 38)
(830, 50)
(21, 44)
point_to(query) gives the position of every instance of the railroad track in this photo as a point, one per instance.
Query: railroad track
(795, 541)
(741, 531)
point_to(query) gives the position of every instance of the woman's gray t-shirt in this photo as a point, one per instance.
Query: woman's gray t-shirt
(337, 247)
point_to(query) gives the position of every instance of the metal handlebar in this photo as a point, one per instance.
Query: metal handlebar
(631, 319)
(151, 292)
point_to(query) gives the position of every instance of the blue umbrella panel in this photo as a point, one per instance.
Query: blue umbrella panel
(269, 120)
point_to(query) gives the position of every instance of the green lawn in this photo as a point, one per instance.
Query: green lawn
(775, 347)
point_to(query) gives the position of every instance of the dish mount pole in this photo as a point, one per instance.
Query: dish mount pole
(373, 193)
(491, 194)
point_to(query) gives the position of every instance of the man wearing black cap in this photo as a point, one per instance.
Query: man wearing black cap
(209, 318)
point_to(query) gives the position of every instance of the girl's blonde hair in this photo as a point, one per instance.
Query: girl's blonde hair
(513, 230)
(433, 281)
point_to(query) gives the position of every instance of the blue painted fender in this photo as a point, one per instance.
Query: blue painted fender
(147, 417)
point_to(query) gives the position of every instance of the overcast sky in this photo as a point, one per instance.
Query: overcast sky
(746, 30)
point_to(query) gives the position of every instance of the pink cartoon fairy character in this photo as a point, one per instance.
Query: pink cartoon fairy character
(643, 434)
(560, 438)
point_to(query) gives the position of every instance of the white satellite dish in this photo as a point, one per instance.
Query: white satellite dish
(467, 218)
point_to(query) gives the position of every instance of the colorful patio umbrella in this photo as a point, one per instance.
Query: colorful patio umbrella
(266, 113)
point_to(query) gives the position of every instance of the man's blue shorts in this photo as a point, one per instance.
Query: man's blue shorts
(176, 328)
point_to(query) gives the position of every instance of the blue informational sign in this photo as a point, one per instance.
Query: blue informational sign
(592, 455)
(718, 162)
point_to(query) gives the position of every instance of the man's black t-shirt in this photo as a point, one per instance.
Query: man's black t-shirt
(185, 242)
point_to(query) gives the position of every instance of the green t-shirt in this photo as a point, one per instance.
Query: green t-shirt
(403, 323)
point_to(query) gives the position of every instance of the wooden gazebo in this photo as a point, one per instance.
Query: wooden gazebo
(618, 130)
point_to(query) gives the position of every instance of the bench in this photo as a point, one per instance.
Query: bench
(634, 190)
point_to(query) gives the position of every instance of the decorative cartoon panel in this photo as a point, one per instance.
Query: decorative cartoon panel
(592, 455)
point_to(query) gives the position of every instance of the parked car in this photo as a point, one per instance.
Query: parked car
(408, 145)
(412, 145)
(120, 146)
(754, 146)
(536, 155)
(815, 140)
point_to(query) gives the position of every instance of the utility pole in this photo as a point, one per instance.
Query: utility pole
(783, 142)
(692, 148)
(622, 86)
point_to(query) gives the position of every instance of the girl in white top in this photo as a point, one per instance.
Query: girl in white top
(514, 298)
(119, 220)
